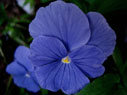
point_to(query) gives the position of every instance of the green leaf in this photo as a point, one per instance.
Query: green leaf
(45, 1)
(125, 66)
(44, 92)
(8, 85)
(118, 59)
(31, 2)
(22, 92)
(0, 43)
(83, 5)
(14, 30)
(3, 16)
(120, 90)
(101, 86)
(124, 76)
(24, 18)
(105, 6)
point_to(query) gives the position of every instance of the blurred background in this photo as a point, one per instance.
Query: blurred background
(15, 17)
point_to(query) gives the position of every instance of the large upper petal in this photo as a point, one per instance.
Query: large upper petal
(102, 35)
(66, 77)
(46, 50)
(64, 21)
(89, 60)
(22, 56)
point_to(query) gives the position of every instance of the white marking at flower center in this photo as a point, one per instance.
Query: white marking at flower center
(27, 75)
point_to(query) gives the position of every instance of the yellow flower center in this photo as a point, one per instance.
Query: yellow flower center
(66, 59)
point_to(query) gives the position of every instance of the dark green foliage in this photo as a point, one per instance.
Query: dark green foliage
(102, 86)
(105, 6)
(102, 6)
(14, 25)
(32, 2)
(45, 1)
(3, 16)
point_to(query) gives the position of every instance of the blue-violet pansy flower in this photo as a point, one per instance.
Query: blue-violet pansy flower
(69, 46)
(22, 70)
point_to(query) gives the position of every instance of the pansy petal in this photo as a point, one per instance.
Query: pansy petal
(31, 85)
(15, 69)
(45, 76)
(61, 76)
(92, 72)
(45, 50)
(64, 21)
(22, 56)
(102, 35)
(19, 79)
(73, 79)
(89, 59)
(26, 82)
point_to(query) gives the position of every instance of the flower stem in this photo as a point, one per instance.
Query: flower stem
(2, 54)
(8, 85)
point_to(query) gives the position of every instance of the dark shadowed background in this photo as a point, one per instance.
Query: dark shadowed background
(14, 22)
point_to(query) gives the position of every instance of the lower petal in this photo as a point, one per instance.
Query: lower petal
(26, 82)
(46, 76)
(18, 80)
(73, 79)
(66, 77)
(31, 85)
